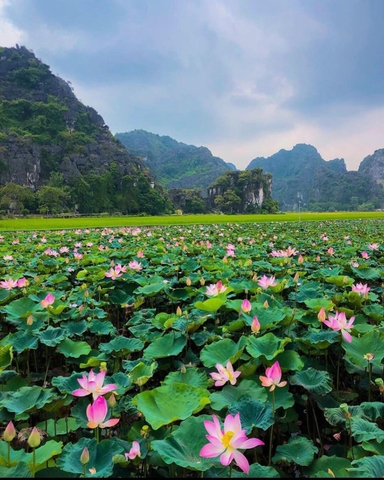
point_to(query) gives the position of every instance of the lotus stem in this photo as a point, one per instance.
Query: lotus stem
(271, 432)
(9, 454)
(33, 462)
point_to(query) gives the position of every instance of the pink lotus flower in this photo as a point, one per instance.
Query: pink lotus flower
(226, 443)
(266, 282)
(246, 306)
(8, 284)
(255, 325)
(272, 377)
(134, 451)
(373, 246)
(330, 251)
(364, 255)
(47, 301)
(226, 374)
(96, 413)
(135, 265)
(140, 254)
(93, 385)
(361, 289)
(22, 282)
(339, 322)
(113, 273)
(214, 289)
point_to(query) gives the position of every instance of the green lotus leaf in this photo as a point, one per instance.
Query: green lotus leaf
(268, 346)
(315, 381)
(42, 454)
(20, 470)
(67, 384)
(231, 394)
(289, 360)
(375, 311)
(191, 376)
(210, 305)
(170, 344)
(220, 352)
(340, 280)
(253, 413)
(76, 327)
(24, 340)
(338, 415)
(281, 397)
(169, 403)
(123, 297)
(60, 427)
(81, 274)
(371, 342)
(6, 375)
(100, 457)
(6, 356)
(317, 304)
(366, 273)
(373, 447)
(269, 317)
(121, 380)
(257, 471)
(52, 336)
(319, 339)
(179, 294)
(373, 410)
(101, 327)
(298, 450)
(337, 465)
(234, 326)
(122, 345)
(367, 467)
(141, 373)
(364, 430)
(183, 446)
(79, 411)
(151, 289)
(21, 308)
(27, 399)
(72, 349)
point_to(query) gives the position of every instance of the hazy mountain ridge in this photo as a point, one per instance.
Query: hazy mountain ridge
(302, 177)
(174, 164)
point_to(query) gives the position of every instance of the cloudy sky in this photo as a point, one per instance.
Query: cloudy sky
(244, 78)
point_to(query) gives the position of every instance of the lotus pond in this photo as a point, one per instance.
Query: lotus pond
(211, 351)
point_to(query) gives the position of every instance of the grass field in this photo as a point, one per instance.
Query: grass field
(42, 223)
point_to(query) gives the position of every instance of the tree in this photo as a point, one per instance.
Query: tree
(15, 198)
(52, 199)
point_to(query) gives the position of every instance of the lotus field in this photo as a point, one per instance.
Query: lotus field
(224, 350)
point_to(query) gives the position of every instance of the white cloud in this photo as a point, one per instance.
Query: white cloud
(9, 34)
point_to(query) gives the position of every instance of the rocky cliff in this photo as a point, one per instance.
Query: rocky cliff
(45, 129)
(373, 165)
(241, 192)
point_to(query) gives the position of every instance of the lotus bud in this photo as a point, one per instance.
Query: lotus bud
(103, 366)
(246, 306)
(34, 439)
(318, 258)
(84, 457)
(321, 315)
(255, 325)
(183, 369)
(369, 356)
(112, 400)
(202, 281)
(296, 277)
(254, 278)
(188, 282)
(266, 304)
(300, 259)
(178, 311)
(225, 259)
(30, 320)
(9, 432)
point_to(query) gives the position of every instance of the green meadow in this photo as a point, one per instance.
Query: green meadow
(46, 223)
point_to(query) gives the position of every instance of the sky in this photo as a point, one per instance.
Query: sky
(244, 78)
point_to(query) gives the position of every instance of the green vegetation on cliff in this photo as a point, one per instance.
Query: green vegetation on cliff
(174, 164)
